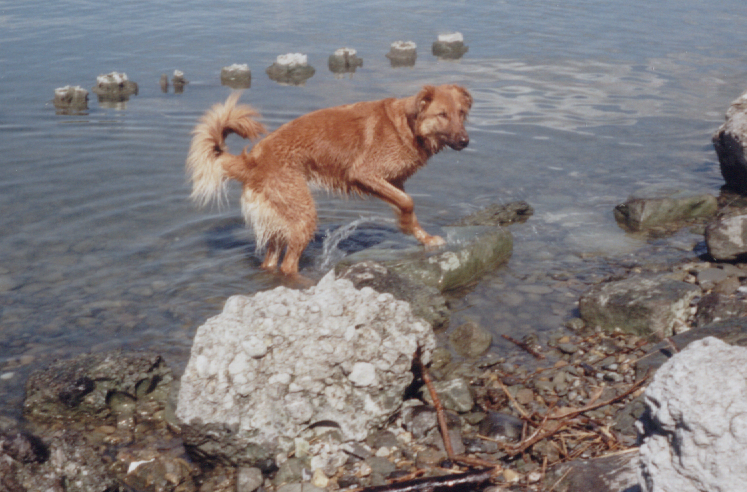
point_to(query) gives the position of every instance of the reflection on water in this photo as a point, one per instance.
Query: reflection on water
(577, 105)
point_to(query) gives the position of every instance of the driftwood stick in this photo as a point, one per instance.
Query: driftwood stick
(524, 346)
(444, 483)
(440, 414)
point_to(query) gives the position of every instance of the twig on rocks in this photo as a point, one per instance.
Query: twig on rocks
(535, 438)
(515, 403)
(440, 414)
(444, 483)
(524, 346)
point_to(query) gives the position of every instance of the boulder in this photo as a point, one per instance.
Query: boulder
(663, 209)
(276, 363)
(694, 431)
(644, 305)
(726, 238)
(729, 141)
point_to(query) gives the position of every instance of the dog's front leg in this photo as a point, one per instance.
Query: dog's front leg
(403, 204)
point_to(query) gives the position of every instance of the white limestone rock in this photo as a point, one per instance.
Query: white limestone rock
(275, 363)
(694, 431)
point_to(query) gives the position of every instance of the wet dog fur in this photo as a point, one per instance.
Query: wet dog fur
(369, 148)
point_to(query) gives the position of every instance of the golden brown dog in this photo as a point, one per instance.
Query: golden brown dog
(368, 148)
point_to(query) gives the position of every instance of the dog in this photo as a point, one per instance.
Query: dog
(368, 148)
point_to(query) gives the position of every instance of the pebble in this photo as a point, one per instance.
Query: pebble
(524, 396)
(568, 348)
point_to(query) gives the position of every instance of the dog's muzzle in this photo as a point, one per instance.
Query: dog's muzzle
(461, 142)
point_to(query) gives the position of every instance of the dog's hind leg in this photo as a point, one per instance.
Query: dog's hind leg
(272, 255)
(296, 212)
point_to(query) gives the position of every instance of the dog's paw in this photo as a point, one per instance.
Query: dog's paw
(433, 242)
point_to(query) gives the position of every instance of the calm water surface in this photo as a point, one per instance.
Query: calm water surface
(577, 105)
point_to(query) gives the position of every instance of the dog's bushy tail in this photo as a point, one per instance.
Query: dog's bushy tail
(209, 164)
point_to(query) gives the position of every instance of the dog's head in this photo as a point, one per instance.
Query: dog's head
(439, 115)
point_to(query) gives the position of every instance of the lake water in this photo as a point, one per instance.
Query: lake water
(577, 105)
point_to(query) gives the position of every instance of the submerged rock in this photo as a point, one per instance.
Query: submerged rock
(344, 60)
(663, 209)
(113, 88)
(693, 432)
(236, 76)
(178, 81)
(644, 305)
(70, 99)
(449, 46)
(730, 142)
(291, 69)
(402, 54)
(281, 361)
(470, 340)
(499, 215)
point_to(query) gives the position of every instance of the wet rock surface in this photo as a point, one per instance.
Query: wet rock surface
(96, 386)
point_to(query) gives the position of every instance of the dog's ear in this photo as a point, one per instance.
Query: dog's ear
(465, 94)
(424, 98)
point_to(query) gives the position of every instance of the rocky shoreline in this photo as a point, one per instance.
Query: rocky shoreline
(354, 383)
(558, 416)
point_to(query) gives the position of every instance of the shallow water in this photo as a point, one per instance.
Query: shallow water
(577, 105)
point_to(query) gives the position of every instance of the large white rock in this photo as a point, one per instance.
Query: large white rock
(694, 430)
(274, 364)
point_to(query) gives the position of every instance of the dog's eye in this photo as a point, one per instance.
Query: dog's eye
(442, 114)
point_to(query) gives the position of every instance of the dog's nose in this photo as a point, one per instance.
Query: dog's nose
(464, 140)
